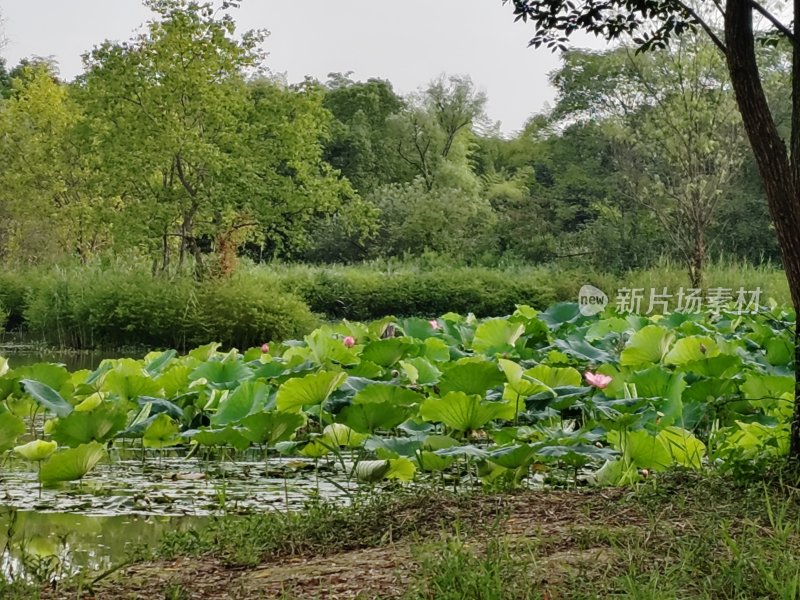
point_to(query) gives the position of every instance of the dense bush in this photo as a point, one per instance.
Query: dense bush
(115, 305)
(13, 290)
(364, 294)
(90, 308)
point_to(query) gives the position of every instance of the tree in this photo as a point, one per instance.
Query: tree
(203, 149)
(678, 135)
(652, 24)
(360, 146)
(49, 188)
(433, 135)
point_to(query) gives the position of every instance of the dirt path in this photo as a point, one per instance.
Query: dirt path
(562, 526)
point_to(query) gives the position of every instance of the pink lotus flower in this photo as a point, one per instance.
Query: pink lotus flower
(264, 348)
(434, 323)
(597, 380)
(349, 341)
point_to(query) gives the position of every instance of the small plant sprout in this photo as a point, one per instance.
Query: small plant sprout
(597, 380)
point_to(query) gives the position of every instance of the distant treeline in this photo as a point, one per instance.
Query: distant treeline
(179, 148)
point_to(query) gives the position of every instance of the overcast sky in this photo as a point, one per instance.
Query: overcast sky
(408, 42)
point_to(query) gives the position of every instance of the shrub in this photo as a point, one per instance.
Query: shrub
(91, 308)
(14, 288)
(243, 312)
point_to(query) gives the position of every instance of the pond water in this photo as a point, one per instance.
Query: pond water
(40, 547)
(92, 525)
(21, 350)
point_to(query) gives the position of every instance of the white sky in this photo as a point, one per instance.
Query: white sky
(408, 42)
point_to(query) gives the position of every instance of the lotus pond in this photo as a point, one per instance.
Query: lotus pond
(533, 399)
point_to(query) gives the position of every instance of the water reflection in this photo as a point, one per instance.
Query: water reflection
(43, 547)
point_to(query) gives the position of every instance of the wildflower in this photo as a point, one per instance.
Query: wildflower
(597, 380)
(264, 348)
(349, 341)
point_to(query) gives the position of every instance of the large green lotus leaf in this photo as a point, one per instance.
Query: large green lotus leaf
(752, 437)
(437, 350)
(420, 370)
(521, 385)
(162, 432)
(11, 427)
(535, 329)
(574, 454)
(372, 471)
(71, 464)
(250, 397)
(559, 314)
(204, 353)
(338, 434)
(604, 327)
(139, 425)
(617, 473)
(670, 447)
(496, 335)
(658, 382)
(327, 349)
(464, 412)
(779, 351)
(513, 456)
(690, 349)
(174, 380)
(466, 451)
(384, 393)
(8, 385)
(310, 390)
(159, 405)
(98, 425)
(36, 450)
(439, 442)
(226, 436)
(575, 346)
(271, 427)
(394, 447)
(417, 328)
(157, 362)
(646, 346)
(722, 365)
(367, 369)
(128, 383)
(223, 375)
(471, 377)
(367, 418)
(54, 376)
(47, 397)
(759, 386)
(555, 376)
(387, 353)
(431, 462)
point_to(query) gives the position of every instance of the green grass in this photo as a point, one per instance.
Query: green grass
(680, 536)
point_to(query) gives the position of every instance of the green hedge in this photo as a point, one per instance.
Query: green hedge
(363, 295)
(88, 309)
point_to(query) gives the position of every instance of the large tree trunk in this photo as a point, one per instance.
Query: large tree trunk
(779, 174)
